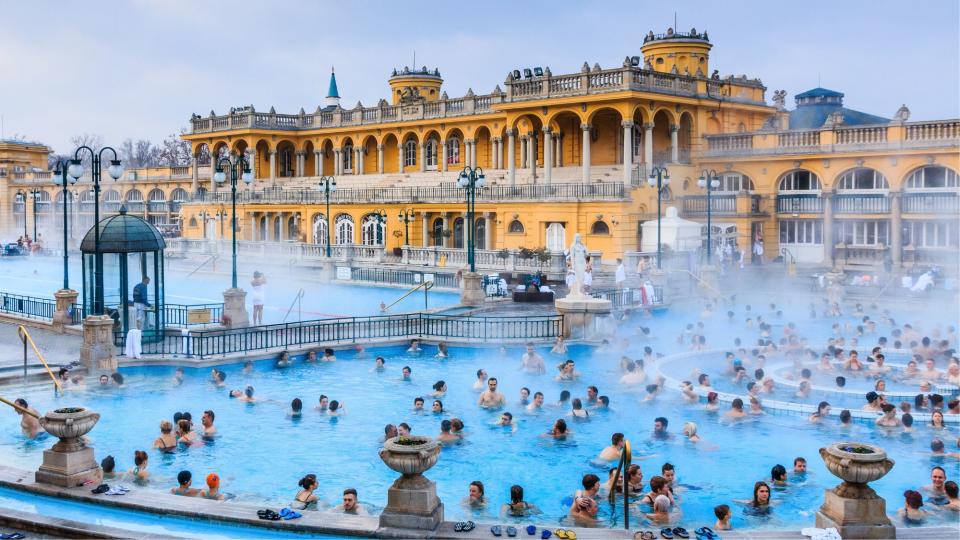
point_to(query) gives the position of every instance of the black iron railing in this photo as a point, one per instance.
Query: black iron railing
(402, 277)
(206, 343)
(630, 298)
(27, 306)
(799, 204)
(178, 314)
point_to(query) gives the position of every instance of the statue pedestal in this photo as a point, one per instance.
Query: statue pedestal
(66, 298)
(328, 271)
(96, 353)
(235, 307)
(67, 469)
(855, 518)
(579, 313)
(412, 503)
(470, 292)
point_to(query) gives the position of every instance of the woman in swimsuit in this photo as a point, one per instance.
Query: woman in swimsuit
(140, 460)
(518, 507)
(186, 435)
(305, 497)
(166, 442)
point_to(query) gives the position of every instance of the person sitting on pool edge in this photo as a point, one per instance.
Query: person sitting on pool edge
(350, 504)
(185, 478)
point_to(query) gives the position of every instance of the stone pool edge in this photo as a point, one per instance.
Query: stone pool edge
(159, 502)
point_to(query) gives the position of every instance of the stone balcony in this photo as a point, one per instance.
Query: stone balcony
(894, 136)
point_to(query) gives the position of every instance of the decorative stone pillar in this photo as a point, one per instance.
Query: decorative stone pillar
(627, 153)
(70, 462)
(494, 153)
(443, 156)
(96, 352)
(532, 155)
(585, 154)
(558, 155)
(252, 159)
(487, 230)
(412, 501)
(66, 298)
(196, 174)
(423, 157)
(359, 168)
(500, 152)
(235, 308)
(400, 160)
(511, 157)
(674, 144)
(320, 155)
(853, 507)
(299, 165)
(829, 245)
(471, 294)
(426, 229)
(896, 229)
(547, 155)
(524, 154)
(648, 145)
(446, 226)
(380, 159)
(273, 166)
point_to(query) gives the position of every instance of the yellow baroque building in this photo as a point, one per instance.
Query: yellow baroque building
(571, 153)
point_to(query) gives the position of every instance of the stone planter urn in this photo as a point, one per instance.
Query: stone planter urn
(853, 507)
(412, 501)
(70, 462)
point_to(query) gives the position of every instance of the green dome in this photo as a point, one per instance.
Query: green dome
(124, 233)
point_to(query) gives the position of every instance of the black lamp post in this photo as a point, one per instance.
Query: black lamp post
(406, 217)
(65, 179)
(23, 198)
(381, 217)
(710, 180)
(660, 179)
(241, 164)
(471, 179)
(75, 170)
(34, 196)
(328, 185)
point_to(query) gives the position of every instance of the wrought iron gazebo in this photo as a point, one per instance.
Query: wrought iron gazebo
(127, 243)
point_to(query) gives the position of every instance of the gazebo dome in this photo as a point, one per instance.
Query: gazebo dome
(124, 233)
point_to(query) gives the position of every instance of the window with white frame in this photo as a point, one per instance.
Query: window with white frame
(931, 234)
(372, 230)
(344, 225)
(453, 150)
(735, 182)
(320, 229)
(862, 179)
(799, 180)
(932, 177)
(347, 154)
(431, 154)
(863, 233)
(637, 143)
(410, 153)
(801, 231)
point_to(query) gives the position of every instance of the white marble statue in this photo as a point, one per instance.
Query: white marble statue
(578, 259)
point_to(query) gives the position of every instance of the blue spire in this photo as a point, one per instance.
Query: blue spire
(332, 91)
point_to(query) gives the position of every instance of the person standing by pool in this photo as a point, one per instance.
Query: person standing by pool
(29, 424)
(140, 300)
(491, 398)
(258, 295)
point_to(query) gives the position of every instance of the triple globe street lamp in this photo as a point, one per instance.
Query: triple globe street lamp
(328, 185)
(471, 179)
(238, 169)
(710, 180)
(660, 179)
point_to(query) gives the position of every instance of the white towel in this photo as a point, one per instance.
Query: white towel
(821, 534)
(134, 347)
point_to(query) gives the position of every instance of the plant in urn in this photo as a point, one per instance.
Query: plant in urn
(853, 507)
(70, 462)
(412, 501)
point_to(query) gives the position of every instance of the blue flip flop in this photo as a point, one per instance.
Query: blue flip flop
(666, 533)
(545, 533)
(531, 530)
(511, 531)
(496, 530)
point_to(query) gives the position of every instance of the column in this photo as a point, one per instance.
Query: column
(299, 163)
(500, 152)
(494, 153)
(358, 168)
(674, 147)
(400, 157)
(648, 145)
(380, 158)
(446, 226)
(320, 155)
(547, 155)
(532, 155)
(511, 157)
(443, 156)
(558, 154)
(273, 166)
(472, 153)
(896, 229)
(426, 229)
(423, 157)
(196, 179)
(466, 231)
(585, 154)
(487, 230)
(317, 167)
(627, 153)
(523, 152)
(828, 242)
(252, 159)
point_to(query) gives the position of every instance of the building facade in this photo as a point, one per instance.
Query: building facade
(571, 153)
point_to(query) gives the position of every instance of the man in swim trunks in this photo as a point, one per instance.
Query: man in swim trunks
(30, 425)
(481, 382)
(612, 452)
(532, 362)
(207, 421)
(491, 398)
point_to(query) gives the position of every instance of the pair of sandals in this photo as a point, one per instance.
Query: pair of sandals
(464, 526)
(497, 530)
(545, 533)
(12, 536)
(102, 488)
(676, 532)
(565, 534)
(706, 533)
(268, 515)
(289, 514)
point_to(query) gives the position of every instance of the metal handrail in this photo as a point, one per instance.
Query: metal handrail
(621, 472)
(296, 299)
(25, 336)
(427, 285)
(19, 408)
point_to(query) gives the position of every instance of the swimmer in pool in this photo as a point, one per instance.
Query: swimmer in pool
(736, 410)
(405, 374)
(323, 404)
(481, 382)
(532, 362)
(439, 389)
(559, 430)
(311, 358)
(568, 371)
(418, 405)
(217, 377)
(506, 420)
(491, 398)
(445, 435)
(29, 424)
(612, 452)
(537, 403)
(209, 430)
(379, 364)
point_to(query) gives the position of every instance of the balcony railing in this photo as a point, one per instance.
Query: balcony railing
(720, 205)
(799, 204)
(861, 204)
(448, 193)
(930, 203)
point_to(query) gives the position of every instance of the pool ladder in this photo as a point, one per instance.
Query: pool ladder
(25, 337)
(426, 285)
(620, 475)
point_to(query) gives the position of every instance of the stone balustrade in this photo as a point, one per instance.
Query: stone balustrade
(893, 136)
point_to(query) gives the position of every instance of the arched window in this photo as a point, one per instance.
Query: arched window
(453, 151)
(515, 227)
(932, 177)
(410, 153)
(458, 233)
(437, 232)
(320, 227)
(480, 233)
(862, 179)
(344, 229)
(799, 180)
(372, 230)
(347, 156)
(735, 182)
(178, 195)
(201, 192)
(637, 143)
(431, 154)
(193, 221)
(600, 227)
(157, 195)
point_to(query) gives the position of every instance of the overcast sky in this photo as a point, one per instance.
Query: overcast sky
(139, 68)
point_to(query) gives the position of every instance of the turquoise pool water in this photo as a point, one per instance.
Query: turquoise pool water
(42, 276)
(261, 453)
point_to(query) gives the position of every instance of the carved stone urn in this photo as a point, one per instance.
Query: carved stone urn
(412, 501)
(70, 462)
(853, 507)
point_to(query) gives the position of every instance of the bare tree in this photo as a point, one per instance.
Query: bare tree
(139, 153)
(174, 151)
(91, 140)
